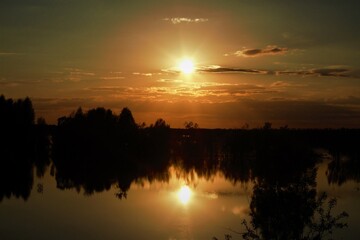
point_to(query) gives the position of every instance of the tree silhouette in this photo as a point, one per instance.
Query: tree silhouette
(160, 123)
(126, 119)
(191, 125)
(20, 147)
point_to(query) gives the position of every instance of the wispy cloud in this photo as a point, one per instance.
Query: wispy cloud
(120, 92)
(205, 92)
(324, 72)
(112, 76)
(77, 71)
(15, 83)
(317, 72)
(9, 84)
(113, 89)
(77, 74)
(219, 69)
(283, 84)
(9, 53)
(164, 80)
(192, 91)
(143, 74)
(257, 52)
(178, 20)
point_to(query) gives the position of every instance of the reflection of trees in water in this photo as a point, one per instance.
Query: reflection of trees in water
(343, 147)
(196, 152)
(98, 149)
(283, 170)
(23, 145)
(94, 151)
(278, 156)
(343, 167)
(86, 156)
(320, 224)
(274, 206)
(283, 204)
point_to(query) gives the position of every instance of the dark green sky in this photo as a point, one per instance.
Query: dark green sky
(288, 62)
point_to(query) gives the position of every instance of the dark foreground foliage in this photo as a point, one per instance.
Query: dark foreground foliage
(320, 225)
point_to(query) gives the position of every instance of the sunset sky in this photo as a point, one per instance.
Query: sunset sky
(286, 62)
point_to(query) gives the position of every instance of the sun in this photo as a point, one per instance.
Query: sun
(186, 66)
(184, 194)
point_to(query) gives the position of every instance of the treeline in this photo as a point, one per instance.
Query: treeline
(16, 121)
(101, 133)
(97, 149)
(22, 146)
(16, 113)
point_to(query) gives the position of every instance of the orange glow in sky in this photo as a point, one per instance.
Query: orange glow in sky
(223, 64)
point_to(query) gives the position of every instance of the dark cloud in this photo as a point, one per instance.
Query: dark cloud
(319, 72)
(341, 72)
(269, 50)
(218, 69)
(324, 72)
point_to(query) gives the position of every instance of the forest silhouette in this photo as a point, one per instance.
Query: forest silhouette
(95, 150)
(23, 145)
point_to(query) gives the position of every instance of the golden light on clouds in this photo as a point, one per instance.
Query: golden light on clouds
(221, 63)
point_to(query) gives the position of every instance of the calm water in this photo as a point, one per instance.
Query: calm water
(156, 210)
(189, 194)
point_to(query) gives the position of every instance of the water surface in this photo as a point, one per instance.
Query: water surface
(194, 188)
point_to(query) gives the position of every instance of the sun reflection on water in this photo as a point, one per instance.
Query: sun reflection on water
(184, 194)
